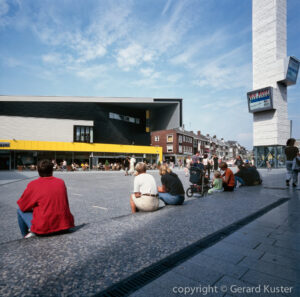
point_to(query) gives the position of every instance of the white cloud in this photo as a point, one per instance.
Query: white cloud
(91, 72)
(131, 56)
(166, 7)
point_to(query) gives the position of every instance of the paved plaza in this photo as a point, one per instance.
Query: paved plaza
(111, 244)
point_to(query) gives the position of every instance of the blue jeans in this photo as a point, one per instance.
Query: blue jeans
(24, 220)
(167, 198)
(239, 179)
(290, 172)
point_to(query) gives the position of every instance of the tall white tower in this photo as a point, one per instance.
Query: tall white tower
(273, 71)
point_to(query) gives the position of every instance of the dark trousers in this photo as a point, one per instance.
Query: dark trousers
(227, 188)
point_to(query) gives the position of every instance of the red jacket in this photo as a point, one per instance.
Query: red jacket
(48, 199)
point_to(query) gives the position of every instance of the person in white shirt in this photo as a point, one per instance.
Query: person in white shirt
(145, 197)
(131, 165)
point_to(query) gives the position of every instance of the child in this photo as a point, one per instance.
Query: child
(217, 183)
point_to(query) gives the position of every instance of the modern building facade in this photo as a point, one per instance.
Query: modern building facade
(273, 71)
(82, 128)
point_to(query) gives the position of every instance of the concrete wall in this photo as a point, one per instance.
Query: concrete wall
(269, 39)
(40, 129)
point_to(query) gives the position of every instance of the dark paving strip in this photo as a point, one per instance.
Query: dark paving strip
(146, 275)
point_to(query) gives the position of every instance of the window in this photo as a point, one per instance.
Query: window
(170, 139)
(83, 134)
(183, 138)
(124, 118)
(156, 138)
(169, 148)
(180, 138)
(180, 149)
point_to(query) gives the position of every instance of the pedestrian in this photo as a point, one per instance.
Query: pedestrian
(291, 152)
(144, 197)
(126, 165)
(238, 161)
(131, 164)
(207, 166)
(172, 191)
(44, 206)
(216, 162)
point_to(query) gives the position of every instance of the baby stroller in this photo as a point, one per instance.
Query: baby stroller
(199, 183)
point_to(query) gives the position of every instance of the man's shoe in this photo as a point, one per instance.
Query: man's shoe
(30, 234)
(294, 185)
(287, 183)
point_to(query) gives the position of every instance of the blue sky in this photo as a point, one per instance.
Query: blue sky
(198, 50)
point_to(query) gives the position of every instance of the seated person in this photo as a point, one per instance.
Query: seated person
(228, 177)
(172, 191)
(145, 196)
(44, 206)
(217, 183)
(247, 176)
(241, 175)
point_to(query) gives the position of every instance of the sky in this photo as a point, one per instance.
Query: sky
(198, 50)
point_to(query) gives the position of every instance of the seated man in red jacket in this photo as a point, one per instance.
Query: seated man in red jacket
(44, 206)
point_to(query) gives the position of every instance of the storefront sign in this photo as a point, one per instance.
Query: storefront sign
(4, 144)
(260, 100)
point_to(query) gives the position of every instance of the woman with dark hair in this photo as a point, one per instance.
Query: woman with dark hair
(172, 191)
(291, 152)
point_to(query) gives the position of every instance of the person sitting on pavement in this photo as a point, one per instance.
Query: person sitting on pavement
(228, 177)
(172, 191)
(44, 206)
(145, 197)
(217, 183)
(247, 176)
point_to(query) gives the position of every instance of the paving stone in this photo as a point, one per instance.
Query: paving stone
(230, 256)
(276, 250)
(248, 241)
(288, 244)
(197, 273)
(275, 270)
(218, 265)
(259, 278)
(230, 247)
(113, 244)
(284, 261)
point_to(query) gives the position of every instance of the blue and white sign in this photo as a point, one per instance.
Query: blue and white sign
(260, 100)
(292, 71)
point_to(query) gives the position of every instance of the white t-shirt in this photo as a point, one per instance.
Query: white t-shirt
(132, 161)
(145, 184)
(205, 162)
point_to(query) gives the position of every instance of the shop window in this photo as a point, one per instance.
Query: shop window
(169, 148)
(83, 134)
(170, 138)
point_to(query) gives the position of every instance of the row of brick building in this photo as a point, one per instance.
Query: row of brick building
(178, 143)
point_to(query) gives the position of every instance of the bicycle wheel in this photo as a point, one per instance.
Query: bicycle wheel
(189, 192)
